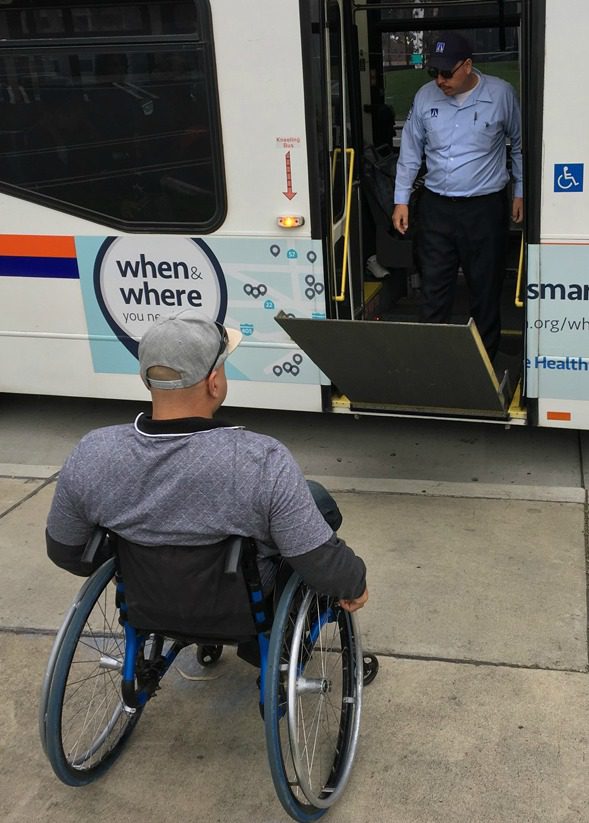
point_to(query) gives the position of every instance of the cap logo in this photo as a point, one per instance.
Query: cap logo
(440, 47)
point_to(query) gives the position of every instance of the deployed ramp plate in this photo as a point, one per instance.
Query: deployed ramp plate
(418, 367)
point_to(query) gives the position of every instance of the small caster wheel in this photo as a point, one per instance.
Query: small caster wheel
(207, 655)
(370, 662)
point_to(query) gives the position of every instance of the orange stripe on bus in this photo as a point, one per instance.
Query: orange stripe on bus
(33, 245)
(558, 415)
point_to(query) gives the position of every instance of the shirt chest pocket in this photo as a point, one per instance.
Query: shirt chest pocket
(435, 132)
(486, 133)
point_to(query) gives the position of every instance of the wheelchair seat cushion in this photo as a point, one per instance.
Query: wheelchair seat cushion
(185, 590)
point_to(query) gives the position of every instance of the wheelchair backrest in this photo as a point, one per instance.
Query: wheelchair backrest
(189, 591)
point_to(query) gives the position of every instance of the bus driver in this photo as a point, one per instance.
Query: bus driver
(460, 121)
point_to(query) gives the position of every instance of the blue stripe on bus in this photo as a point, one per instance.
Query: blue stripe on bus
(60, 267)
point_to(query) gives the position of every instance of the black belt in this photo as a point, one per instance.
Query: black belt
(462, 199)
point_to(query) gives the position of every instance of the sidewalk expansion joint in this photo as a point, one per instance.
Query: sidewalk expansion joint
(28, 496)
(24, 630)
(445, 488)
(465, 661)
(419, 658)
(23, 471)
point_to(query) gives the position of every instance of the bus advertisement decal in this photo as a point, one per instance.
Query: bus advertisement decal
(128, 282)
(137, 282)
(557, 322)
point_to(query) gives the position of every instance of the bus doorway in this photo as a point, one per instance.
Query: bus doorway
(391, 40)
(343, 200)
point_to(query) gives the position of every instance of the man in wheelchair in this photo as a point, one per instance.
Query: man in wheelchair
(181, 477)
(177, 493)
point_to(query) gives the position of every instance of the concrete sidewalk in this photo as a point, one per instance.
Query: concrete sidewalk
(479, 714)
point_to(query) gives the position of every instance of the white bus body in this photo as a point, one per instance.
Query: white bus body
(133, 191)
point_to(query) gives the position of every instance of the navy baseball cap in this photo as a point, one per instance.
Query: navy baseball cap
(448, 49)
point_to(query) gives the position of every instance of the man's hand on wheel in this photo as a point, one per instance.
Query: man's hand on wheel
(357, 603)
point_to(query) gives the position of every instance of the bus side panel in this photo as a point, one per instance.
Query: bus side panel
(566, 124)
(76, 333)
(557, 331)
(558, 290)
(71, 323)
(261, 94)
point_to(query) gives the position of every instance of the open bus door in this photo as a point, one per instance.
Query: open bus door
(393, 365)
(344, 213)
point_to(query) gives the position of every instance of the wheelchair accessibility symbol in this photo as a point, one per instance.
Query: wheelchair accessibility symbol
(568, 177)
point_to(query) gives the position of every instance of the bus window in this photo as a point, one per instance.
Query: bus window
(128, 133)
(27, 19)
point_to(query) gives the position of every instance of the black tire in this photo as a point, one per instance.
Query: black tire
(371, 666)
(209, 655)
(86, 722)
(313, 692)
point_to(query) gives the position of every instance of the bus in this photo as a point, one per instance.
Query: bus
(238, 159)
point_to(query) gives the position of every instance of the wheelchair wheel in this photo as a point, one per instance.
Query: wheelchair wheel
(86, 723)
(313, 698)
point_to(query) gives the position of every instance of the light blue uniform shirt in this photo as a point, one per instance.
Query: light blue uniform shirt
(464, 146)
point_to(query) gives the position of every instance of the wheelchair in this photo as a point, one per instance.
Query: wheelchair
(118, 641)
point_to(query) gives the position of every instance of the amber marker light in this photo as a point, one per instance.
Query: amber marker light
(290, 221)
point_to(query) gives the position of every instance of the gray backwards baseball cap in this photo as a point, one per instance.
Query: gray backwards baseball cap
(189, 344)
(449, 48)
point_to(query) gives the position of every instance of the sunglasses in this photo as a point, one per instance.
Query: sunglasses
(222, 346)
(445, 73)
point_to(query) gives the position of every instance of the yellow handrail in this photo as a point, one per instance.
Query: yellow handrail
(518, 300)
(339, 298)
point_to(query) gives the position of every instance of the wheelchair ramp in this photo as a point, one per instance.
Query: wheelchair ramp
(416, 367)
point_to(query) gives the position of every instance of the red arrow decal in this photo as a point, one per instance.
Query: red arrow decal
(289, 192)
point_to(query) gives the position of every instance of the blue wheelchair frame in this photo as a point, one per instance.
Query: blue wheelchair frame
(296, 623)
(134, 640)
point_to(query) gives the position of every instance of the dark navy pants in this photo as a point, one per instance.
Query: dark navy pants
(470, 232)
(326, 504)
